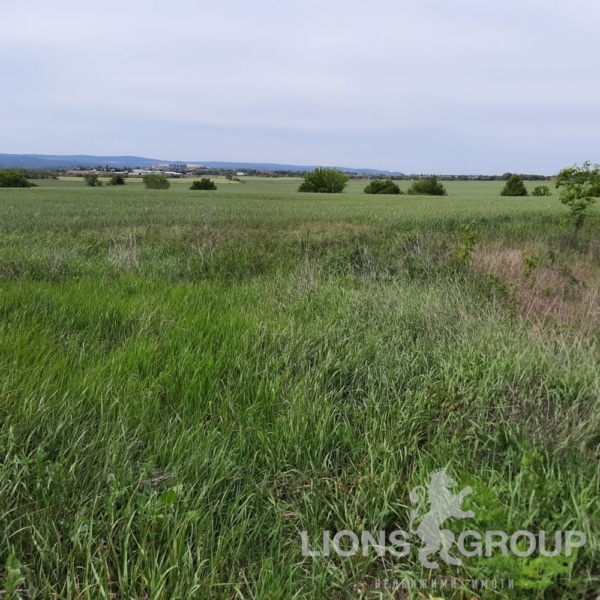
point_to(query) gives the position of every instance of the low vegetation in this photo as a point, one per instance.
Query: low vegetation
(92, 180)
(382, 186)
(14, 179)
(427, 187)
(203, 184)
(541, 190)
(579, 188)
(117, 179)
(155, 181)
(324, 180)
(189, 382)
(514, 187)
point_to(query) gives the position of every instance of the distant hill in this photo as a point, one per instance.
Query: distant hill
(52, 161)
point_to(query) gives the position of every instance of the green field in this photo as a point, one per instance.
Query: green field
(190, 380)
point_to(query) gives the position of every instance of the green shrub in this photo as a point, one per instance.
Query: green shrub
(92, 180)
(117, 179)
(324, 180)
(427, 187)
(382, 186)
(156, 181)
(541, 190)
(14, 179)
(580, 186)
(469, 239)
(514, 187)
(204, 184)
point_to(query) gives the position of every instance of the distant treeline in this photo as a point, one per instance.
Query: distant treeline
(504, 177)
(259, 173)
(232, 174)
(35, 173)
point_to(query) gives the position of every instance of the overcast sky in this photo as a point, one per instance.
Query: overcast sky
(420, 86)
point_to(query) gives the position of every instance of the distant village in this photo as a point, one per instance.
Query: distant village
(180, 169)
(177, 170)
(171, 170)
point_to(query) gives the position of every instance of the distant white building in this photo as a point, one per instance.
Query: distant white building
(141, 172)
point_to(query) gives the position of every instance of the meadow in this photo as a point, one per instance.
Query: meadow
(190, 380)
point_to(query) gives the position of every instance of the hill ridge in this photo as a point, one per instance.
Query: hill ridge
(71, 161)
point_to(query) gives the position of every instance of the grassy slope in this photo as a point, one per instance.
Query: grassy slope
(192, 379)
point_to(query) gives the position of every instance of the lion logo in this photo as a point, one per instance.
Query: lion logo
(443, 504)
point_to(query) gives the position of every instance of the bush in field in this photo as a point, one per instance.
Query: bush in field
(427, 187)
(514, 187)
(580, 187)
(324, 181)
(92, 180)
(155, 181)
(382, 186)
(204, 184)
(117, 179)
(14, 179)
(541, 190)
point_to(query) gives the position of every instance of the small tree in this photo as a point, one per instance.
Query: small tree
(427, 187)
(514, 187)
(324, 181)
(382, 186)
(204, 184)
(14, 179)
(541, 190)
(92, 180)
(156, 181)
(580, 186)
(117, 179)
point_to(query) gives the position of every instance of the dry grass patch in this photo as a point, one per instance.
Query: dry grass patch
(550, 286)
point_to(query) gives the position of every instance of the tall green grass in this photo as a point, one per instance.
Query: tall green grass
(190, 381)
